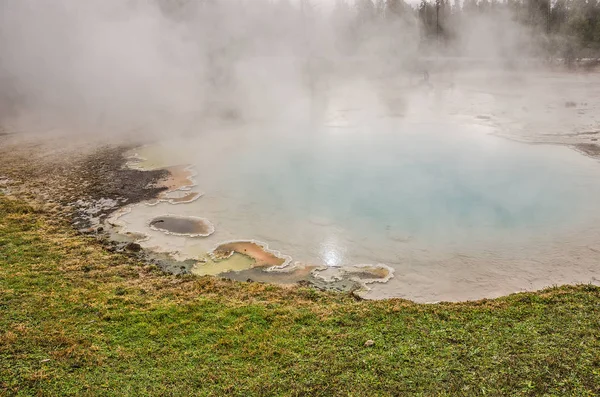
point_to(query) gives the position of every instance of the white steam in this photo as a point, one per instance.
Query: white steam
(158, 66)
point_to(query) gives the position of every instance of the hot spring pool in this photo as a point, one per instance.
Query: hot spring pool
(456, 212)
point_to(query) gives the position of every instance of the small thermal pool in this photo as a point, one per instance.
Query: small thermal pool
(182, 226)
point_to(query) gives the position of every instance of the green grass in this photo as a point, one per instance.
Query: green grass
(78, 320)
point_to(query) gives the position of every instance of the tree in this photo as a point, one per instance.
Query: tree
(380, 8)
(396, 8)
(366, 10)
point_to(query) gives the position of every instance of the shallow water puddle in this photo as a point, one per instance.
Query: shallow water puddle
(211, 267)
(237, 256)
(360, 273)
(260, 254)
(183, 226)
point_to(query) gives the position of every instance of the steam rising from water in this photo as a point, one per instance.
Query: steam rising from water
(163, 67)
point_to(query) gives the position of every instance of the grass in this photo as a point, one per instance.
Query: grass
(76, 319)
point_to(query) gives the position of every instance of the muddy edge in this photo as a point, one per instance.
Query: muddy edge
(65, 177)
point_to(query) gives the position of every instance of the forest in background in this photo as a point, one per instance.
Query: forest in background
(565, 29)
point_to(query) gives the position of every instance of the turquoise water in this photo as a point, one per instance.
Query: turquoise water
(455, 211)
(386, 191)
(435, 183)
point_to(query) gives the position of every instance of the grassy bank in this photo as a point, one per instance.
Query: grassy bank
(76, 319)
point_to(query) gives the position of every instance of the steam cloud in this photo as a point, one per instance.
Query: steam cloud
(102, 66)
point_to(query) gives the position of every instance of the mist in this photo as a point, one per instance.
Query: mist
(162, 67)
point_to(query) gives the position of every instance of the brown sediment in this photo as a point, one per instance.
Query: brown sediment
(73, 174)
(366, 273)
(301, 271)
(182, 226)
(180, 176)
(297, 275)
(589, 149)
(261, 256)
(363, 274)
